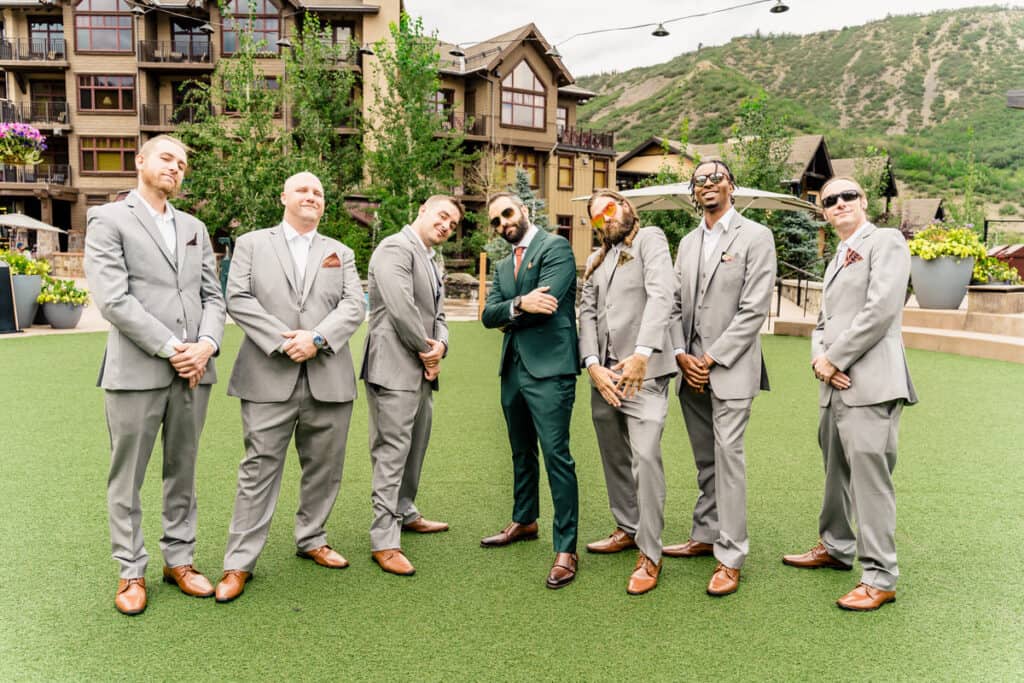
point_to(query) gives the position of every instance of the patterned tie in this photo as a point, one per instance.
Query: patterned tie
(519, 261)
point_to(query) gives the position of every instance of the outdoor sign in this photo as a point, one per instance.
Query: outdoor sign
(8, 316)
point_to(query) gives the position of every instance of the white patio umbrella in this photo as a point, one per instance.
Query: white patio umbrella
(20, 220)
(677, 196)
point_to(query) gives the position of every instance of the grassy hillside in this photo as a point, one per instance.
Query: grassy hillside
(923, 87)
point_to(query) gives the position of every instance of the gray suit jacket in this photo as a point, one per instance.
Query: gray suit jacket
(629, 301)
(406, 307)
(728, 314)
(148, 295)
(860, 324)
(264, 300)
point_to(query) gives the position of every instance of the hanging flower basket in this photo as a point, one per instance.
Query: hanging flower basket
(21, 144)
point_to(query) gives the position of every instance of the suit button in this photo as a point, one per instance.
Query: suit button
(180, 321)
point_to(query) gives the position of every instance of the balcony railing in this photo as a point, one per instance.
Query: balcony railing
(33, 49)
(174, 51)
(467, 125)
(166, 115)
(40, 174)
(586, 139)
(39, 113)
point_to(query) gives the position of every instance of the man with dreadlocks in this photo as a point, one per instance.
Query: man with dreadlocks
(725, 270)
(626, 346)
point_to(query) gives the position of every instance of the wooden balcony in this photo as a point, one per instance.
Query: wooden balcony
(175, 55)
(41, 180)
(582, 140)
(25, 55)
(42, 115)
(164, 117)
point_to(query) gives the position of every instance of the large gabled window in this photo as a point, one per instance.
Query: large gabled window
(523, 98)
(261, 17)
(103, 26)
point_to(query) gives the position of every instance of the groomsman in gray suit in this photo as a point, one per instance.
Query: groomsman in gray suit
(725, 270)
(625, 344)
(857, 355)
(297, 296)
(405, 342)
(152, 274)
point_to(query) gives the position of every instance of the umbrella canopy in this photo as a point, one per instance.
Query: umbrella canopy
(677, 196)
(20, 220)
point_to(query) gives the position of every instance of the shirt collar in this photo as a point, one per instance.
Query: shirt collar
(291, 234)
(419, 240)
(724, 221)
(857, 234)
(167, 215)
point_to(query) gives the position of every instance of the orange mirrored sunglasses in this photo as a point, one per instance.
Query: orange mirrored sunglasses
(606, 214)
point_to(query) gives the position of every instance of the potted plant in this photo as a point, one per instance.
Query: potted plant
(942, 261)
(27, 278)
(988, 270)
(20, 143)
(63, 303)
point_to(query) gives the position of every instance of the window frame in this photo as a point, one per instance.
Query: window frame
(120, 89)
(571, 167)
(121, 13)
(516, 159)
(127, 155)
(600, 166)
(231, 26)
(540, 94)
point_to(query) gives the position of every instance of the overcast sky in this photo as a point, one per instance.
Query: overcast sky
(467, 21)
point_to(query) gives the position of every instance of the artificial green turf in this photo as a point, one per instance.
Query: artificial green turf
(476, 614)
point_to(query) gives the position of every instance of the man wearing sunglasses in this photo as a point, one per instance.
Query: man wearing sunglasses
(406, 339)
(725, 271)
(857, 355)
(533, 302)
(625, 343)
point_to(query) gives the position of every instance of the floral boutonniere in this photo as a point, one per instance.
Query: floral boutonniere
(624, 258)
(726, 258)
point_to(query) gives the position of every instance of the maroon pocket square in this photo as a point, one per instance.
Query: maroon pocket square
(194, 241)
(851, 257)
(331, 261)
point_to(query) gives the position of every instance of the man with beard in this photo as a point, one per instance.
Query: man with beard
(857, 355)
(625, 343)
(533, 301)
(297, 296)
(725, 271)
(152, 273)
(405, 342)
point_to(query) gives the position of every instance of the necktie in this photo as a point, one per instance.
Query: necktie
(519, 260)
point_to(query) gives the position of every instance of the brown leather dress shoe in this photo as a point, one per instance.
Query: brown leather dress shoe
(815, 558)
(189, 580)
(725, 580)
(394, 561)
(865, 598)
(616, 543)
(131, 596)
(325, 556)
(231, 585)
(645, 577)
(691, 548)
(563, 571)
(510, 534)
(421, 525)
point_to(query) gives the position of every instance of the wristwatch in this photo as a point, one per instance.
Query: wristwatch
(318, 340)
(517, 304)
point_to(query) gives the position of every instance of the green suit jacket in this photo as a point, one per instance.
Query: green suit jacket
(547, 344)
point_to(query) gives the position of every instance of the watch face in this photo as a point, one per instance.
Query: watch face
(318, 341)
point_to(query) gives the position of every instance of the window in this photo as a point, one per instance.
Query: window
(188, 40)
(562, 118)
(106, 93)
(107, 155)
(260, 17)
(600, 173)
(233, 102)
(525, 160)
(565, 172)
(103, 26)
(339, 35)
(523, 98)
(46, 37)
(564, 226)
(442, 103)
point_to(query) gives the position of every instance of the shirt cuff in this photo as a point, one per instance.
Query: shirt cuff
(589, 360)
(213, 343)
(512, 310)
(645, 351)
(167, 350)
(678, 352)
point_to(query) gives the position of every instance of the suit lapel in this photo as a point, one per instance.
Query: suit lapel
(724, 242)
(528, 256)
(284, 255)
(147, 222)
(313, 261)
(837, 267)
(183, 234)
(426, 266)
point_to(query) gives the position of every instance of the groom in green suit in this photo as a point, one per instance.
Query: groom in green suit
(533, 301)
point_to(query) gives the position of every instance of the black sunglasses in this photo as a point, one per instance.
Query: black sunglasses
(506, 213)
(846, 195)
(702, 180)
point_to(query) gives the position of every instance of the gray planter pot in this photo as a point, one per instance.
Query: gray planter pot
(940, 282)
(26, 290)
(63, 316)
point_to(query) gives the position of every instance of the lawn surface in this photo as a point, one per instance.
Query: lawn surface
(476, 614)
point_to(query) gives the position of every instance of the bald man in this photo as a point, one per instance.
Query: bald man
(297, 296)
